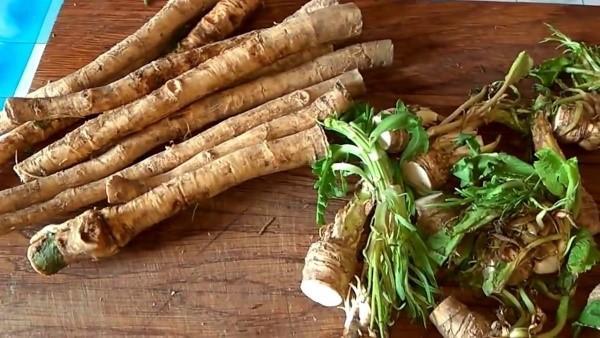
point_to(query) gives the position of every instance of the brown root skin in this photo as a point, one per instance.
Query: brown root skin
(219, 22)
(330, 262)
(589, 217)
(579, 122)
(454, 320)
(431, 171)
(329, 104)
(432, 218)
(217, 73)
(139, 83)
(127, 89)
(362, 56)
(6, 124)
(190, 119)
(142, 46)
(541, 133)
(101, 233)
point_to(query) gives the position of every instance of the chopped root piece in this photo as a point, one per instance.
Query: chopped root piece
(220, 22)
(430, 171)
(331, 262)
(101, 233)
(454, 320)
(119, 190)
(262, 49)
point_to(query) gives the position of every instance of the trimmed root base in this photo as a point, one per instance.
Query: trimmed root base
(454, 320)
(327, 272)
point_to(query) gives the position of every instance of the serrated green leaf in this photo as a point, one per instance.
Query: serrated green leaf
(561, 177)
(549, 168)
(584, 253)
(550, 70)
(590, 316)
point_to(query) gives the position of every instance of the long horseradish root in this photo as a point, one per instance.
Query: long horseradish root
(265, 47)
(135, 50)
(361, 56)
(133, 86)
(331, 262)
(454, 320)
(81, 196)
(29, 134)
(193, 117)
(220, 22)
(120, 190)
(137, 84)
(101, 233)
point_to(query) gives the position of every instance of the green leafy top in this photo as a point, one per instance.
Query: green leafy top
(498, 186)
(398, 272)
(580, 61)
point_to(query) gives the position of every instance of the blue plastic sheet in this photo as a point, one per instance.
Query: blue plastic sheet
(23, 23)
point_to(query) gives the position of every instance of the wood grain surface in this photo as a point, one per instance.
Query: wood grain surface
(207, 272)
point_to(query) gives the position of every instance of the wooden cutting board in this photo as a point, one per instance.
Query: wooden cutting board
(208, 272)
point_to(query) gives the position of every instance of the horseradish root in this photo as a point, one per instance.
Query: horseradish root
(220, 22)
(78, 197)
(578, 122)
(262, 49)
(190, 119)
(139, 83)
(101, 233)
(120, 190)
(454, 320)
(430, 171)
(134, 51)
(331, 262)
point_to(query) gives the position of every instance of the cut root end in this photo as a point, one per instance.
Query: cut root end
(321, 292)
(44, 255)
(417, 177)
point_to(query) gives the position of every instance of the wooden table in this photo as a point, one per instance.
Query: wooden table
(207, 272)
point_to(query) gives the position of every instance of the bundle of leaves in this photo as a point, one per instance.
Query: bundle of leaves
(398, 273)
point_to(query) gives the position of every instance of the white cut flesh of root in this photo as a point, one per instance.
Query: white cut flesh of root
(321, 293)
(417, 176)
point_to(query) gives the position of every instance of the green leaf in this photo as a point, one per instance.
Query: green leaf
(550, 70)
(403, 119)
(584, 253)
(495, 277)
(590, 316)
(561, 177)
(470, 141)
(472, 169)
